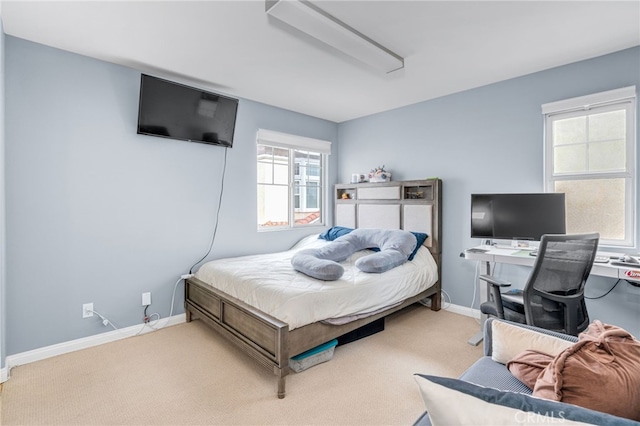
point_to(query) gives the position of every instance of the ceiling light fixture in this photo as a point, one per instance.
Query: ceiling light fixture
(310, 19)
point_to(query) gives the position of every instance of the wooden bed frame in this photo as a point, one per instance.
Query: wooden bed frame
(267, 339)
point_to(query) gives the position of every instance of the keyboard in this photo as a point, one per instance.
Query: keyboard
(598, 259)
(476, 250)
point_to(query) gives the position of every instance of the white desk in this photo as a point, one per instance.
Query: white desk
(522, 257)
(516, 256)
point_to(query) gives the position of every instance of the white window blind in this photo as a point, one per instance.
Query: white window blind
(590, 101)
(590, 152)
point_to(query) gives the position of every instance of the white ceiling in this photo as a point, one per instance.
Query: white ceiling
(235, 48)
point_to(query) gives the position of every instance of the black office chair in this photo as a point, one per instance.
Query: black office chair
(553, 297)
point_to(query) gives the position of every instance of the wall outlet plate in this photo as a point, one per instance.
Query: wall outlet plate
(87, 310)
(146, 299)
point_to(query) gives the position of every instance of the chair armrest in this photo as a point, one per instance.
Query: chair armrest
(494, 308)
(494, 281)
(488, 335)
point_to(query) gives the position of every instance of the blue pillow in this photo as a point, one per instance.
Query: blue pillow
(338, 231)
(335, 232)
(420, 237)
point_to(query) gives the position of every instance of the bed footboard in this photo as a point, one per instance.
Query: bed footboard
(265, 338)
(259, 335)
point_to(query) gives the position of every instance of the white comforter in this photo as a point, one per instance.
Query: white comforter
(269, 283)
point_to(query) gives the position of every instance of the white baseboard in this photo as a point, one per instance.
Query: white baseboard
(463, 310)
(84, 343)
(476, 339)
(111, 336)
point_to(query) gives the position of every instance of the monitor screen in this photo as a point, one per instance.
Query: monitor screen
(176, 111)
(517, 216)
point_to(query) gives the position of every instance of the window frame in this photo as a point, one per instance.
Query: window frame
(293, 144)
(624, 98)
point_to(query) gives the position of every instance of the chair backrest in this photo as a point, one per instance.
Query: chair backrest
(554, 293)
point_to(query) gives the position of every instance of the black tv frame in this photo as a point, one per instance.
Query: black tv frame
(160, 130)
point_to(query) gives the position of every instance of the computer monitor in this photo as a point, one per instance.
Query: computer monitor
(517, 216)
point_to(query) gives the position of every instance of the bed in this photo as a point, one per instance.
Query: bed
(262, 305)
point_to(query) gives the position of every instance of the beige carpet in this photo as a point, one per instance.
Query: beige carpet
(188, 375)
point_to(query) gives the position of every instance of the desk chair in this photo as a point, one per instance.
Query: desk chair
(553, 297)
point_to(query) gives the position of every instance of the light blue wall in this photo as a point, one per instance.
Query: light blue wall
(2, 203)
(488, 139)
(97, 213)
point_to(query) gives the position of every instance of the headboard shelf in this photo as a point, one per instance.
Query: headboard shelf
(413, 205)
(347, 193)
(418, 192)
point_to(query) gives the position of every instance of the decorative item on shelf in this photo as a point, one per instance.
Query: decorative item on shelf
(379, 174)
(345, 196)
(357, 178)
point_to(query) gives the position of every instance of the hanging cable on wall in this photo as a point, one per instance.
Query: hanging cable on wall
(215, 228)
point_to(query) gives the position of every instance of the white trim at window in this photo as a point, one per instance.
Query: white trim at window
(292, 181)
(590, 166)
(284, 140)
(590, 101)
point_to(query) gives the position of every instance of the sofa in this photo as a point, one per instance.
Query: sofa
(488, 393)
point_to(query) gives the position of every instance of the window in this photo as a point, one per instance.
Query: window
(590, 156)
(291, 180)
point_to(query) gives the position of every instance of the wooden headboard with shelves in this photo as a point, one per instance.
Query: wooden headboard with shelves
(412, 205)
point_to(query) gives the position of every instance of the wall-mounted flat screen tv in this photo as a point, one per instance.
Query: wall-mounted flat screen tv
(173, 110)
(517, 216)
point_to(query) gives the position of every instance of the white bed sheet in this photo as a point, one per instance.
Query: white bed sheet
(269, 282)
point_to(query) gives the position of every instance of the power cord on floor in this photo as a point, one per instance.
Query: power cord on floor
(149, 324)
(154, 326)
(427, 300)
(475, 290)
(105, 320)
(476, 284)
(608, 291)
(147, 318)
(446, 304)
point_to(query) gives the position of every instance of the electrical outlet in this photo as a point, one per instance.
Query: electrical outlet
(146, 299)
(87, 310)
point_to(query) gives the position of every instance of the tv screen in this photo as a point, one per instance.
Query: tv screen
(176, 111)
(517, 216)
